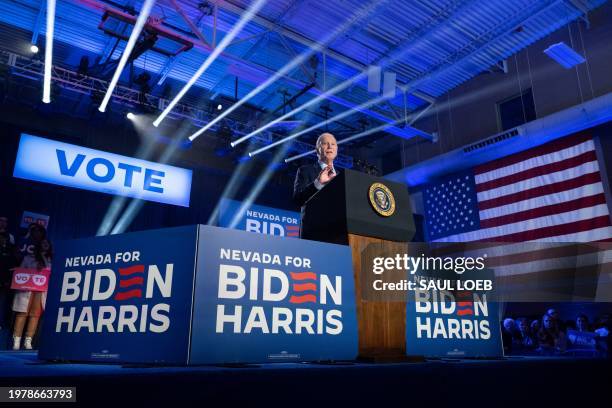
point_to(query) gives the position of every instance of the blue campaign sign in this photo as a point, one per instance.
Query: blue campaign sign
(455, 322)
(269, 299)
(121, 298)
(259, 218)
(54, 162)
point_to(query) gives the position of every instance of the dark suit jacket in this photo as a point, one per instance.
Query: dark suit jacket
(303, 186)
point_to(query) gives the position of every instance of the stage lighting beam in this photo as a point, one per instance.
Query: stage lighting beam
(244, 19)
(49, 51)
(325, 122)
(341, 86)
(34, 49)
(138, 26)
(301, 58)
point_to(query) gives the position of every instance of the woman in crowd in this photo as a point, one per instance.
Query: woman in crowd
(550, 337)
(29, 305)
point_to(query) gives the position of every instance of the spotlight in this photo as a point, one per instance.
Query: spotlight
(219, 107)
(34, 48)
(130, 116)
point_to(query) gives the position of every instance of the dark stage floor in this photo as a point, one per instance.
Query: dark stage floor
(515, 381)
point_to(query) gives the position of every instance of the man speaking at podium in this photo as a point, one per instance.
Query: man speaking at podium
(312, 177)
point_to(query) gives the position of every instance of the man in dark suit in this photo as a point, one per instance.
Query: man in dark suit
(312, 177)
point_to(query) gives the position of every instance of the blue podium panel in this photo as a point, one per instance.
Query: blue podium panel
(261, 298)
(455, 322)
(121, 298)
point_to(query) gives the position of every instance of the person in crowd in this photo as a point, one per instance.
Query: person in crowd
(554, 314)
(4, 229)
(602, 330)
(524, 338)
(29, 305)
(508, 334)
(550, 338)
(535, 327)
(36, 233)
(582, 323)
(7, 262)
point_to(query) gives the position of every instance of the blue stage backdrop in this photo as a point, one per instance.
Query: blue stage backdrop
(199, 295)
(122, 298)
(272, 299)
(456, 323)
(260, 219)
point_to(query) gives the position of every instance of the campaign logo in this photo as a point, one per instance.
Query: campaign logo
(99, 296)
(259, 219)
(463, 315)
(284, 296)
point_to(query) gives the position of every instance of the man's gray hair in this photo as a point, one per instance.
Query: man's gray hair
(318, 144)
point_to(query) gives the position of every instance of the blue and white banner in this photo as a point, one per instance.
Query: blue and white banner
(121, 298)
(269, 299)
(260, 219)
(54, 162)
(455, 322)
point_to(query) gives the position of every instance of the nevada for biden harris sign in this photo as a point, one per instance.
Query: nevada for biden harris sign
(199, 295)
(54, 162)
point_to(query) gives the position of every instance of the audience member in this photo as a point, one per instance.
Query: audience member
(524, 338)
(550, 337)
(29, 305)
(7, 262)
(582, 323)
(4, 228)
(508, 334)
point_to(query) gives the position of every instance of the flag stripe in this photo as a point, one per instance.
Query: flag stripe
(581, 203)
(538, 233)
(549, 199)
(554, 146)
(542, 170)
(539, 191)
(527, 227)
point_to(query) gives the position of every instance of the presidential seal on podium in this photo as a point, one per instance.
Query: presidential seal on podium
(381, 199)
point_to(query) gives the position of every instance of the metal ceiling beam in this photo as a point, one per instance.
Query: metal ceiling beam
(194, 29)
(244, 66)
(489, 38)
(231, 7)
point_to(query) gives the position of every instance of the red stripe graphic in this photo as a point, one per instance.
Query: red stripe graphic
(131, 282)
(541, 191)
(577, 204)
(131, 269)
(300, 287)
(547, 148)
(293, 234)
(129, 294)
(561, 229)
(463, 304)
(303, 299)
(575, 161)
(303, 275)
(465, 312)
(293, 227)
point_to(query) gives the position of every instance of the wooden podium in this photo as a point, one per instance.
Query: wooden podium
(343, 213)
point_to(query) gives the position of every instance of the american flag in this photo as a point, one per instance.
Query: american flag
(551, 193)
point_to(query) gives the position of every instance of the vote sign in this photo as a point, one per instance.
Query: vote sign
(54, 162)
